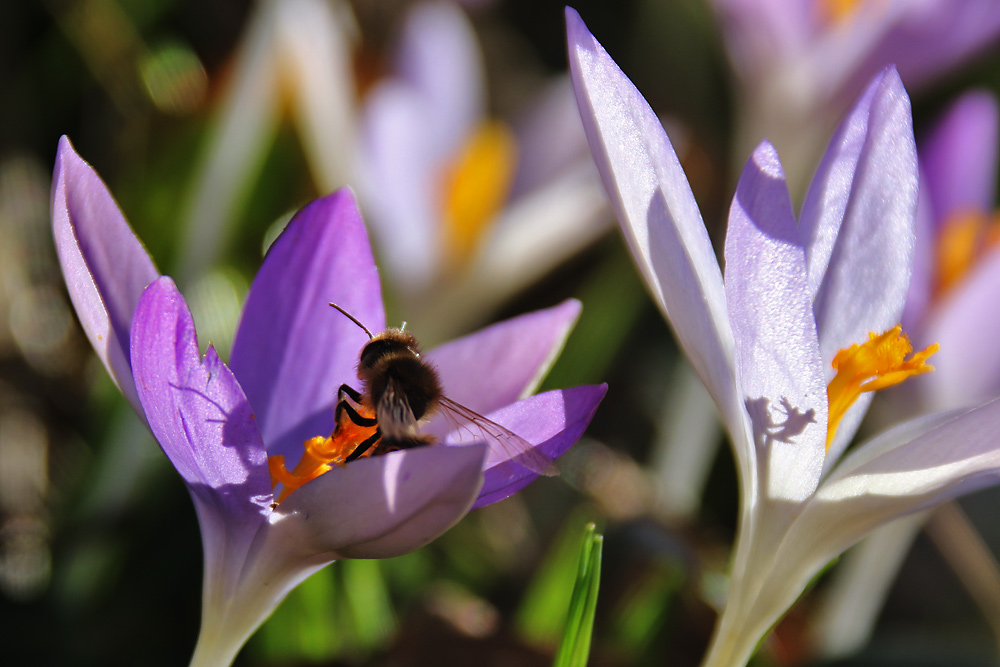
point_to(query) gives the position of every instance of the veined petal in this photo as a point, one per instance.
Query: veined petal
(959, 158)
(292, 351)
(778, 366)
(104, 264)
(439, 55)
(197, 411)
(382, 506)
(657, 212)
(862, 247)
(552, 421)
(967, 325)
(502, 363)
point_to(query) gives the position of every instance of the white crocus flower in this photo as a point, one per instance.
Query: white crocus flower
(783, 343)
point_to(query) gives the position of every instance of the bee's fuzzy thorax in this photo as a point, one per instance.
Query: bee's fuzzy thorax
(393, 357)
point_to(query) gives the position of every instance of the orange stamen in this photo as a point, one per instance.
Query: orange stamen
(476, 186)
(319, 456)
(876, 364)
(962, 241)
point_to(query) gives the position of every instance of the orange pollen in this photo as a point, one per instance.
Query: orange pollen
(319, 456)
(475, 187)
(962, 240)
(876, 364)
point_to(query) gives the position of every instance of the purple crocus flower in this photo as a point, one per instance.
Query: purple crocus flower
(217, 424)
(800, 63)
(774, 340)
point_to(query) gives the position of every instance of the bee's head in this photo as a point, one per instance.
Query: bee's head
(391, 343)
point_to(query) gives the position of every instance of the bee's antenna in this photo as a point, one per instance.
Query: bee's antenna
(353, 319)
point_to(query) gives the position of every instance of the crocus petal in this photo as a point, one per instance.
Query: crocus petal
(920, 294)
(967, 325)
(867, 274)
(657, 211)
(292, 351)
(197, 410)
(104, 264)
(819, 530)
(778, 365)
(439, 56)
(895, 474)
(383, 506)
(929, 38)
(960, 157)
(552, 421)
(502, 363)
(405, 218)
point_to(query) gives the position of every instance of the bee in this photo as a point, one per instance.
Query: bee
(399, 390)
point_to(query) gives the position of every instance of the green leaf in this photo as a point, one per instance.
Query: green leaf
(575, 647)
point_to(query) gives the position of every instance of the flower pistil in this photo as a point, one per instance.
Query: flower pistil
(878, 363)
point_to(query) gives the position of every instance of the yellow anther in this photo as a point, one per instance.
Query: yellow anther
(876, 364)
(476, 186)
(961, 241)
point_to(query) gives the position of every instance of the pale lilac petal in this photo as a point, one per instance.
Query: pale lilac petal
(914, 466)
(198, 412)
(384, 506)
(552, 421)
(292, 351)
(837, 516)
(104, 264)
(865, 281)
(439, 56)
(502, 363)
(657, 211)
(401, 184)
(550, 138)
(959, 158)
(967, 325)
(920, 293)
(778, 365)
(762, 32)
(931, 37)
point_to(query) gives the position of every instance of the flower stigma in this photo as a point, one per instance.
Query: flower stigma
(878, 363)
(320, 454)
(476, 186)
(962, 241)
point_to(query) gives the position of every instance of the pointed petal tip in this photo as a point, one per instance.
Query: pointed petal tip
(766, 159)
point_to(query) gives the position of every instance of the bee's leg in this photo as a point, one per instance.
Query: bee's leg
(364, 446)
(343, 394)
(346, 408)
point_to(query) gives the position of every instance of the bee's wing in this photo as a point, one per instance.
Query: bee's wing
(473, 427)
(395, 417)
